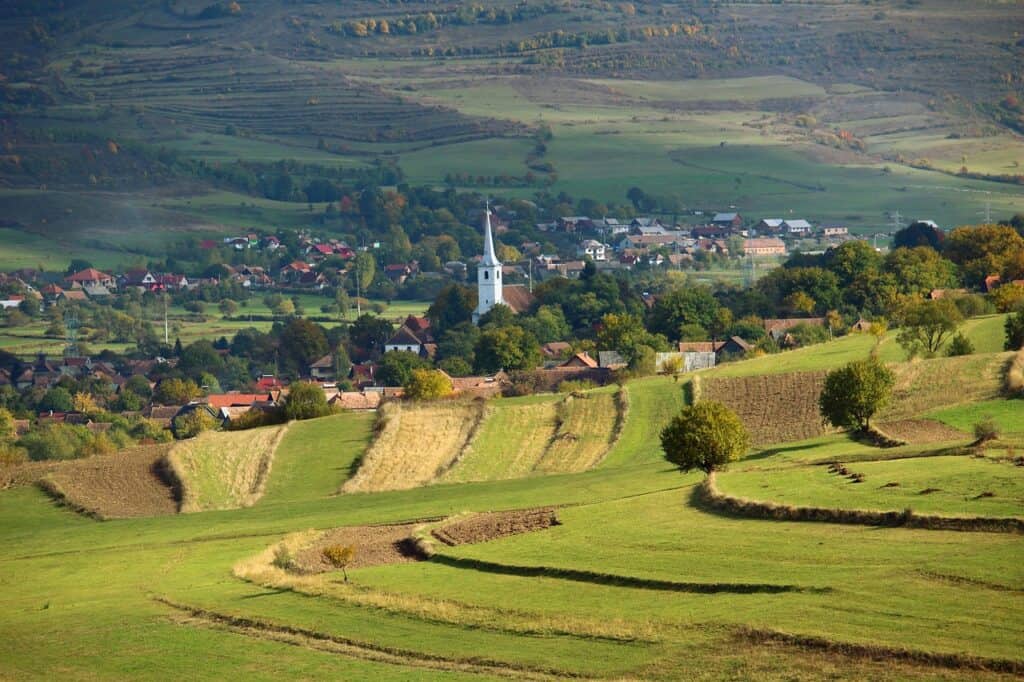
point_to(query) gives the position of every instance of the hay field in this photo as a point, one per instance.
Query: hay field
(512, 439)
(224, 470)
(586, 427)
(415, 445)
(775, 408)
(924, 385)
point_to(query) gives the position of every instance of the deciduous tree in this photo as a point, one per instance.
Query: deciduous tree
(705, 436)
(855, 392)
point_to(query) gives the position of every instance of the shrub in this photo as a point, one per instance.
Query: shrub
(1014, 332)
(12, 454)
(306, 400)
(193, 423)
(1015, 375)
(959, 345)
(340, 556)
(56, 441)
(853, 393)
(427, 384)
(575, 385)
(283, 558)
(705, 436)
(986, 430)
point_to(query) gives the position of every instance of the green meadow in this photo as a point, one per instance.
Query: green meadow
(638, 581)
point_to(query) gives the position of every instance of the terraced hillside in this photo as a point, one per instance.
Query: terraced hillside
(621, 571)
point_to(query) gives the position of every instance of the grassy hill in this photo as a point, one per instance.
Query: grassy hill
(843, 112)
(638, 580)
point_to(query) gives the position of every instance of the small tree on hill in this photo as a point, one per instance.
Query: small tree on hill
(305, 400)
(340, 556)
(1014, 332)
(427, 384)
(705, 436)
(959, 345)
(855, 392)
(925, 325)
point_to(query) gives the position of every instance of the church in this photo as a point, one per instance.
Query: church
(489, 286)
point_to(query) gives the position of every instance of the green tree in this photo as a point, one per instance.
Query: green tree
(302, 343)
(855, 392)
(959, 345)
(506, 348)
(6, 425)
(918, 270)
(683, 306)
(705, 436)
(1014, 331)
(427, 384)
(228, 307)
(454, 305)
(919, 234)
(305, 400)
(58, 399)
(395, 367)
(176, 391)
(364, 267)
(343, 302)
(925, 325)
(192, 423)
(985, 250)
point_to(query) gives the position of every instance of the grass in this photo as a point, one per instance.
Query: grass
(530, 600)
(224, 470)
(1007, 414)
(957, 486)
(416, 444)
(585, 431)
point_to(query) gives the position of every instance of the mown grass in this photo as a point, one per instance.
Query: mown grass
(1007, 414)
(627, 526)
(955, 485)
(585, 431)
(651, 405)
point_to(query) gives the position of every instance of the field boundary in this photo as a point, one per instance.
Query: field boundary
(880, 652)
(708, 496)
(621, 415)
(289, 634)
(483, 411)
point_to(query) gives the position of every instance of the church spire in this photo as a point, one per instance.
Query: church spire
(489, 258)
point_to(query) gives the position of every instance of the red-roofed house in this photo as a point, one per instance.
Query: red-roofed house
(92, 277)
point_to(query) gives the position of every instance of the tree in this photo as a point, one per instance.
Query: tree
(855, 392)
(228, 307)
(341, 299)
(85, 403)
(916, 271)
(453, 306)
(340, 556)
(7, 431)
(395, 368)
(692, 305)
(302, 343)
(919, 234)
(57, 399)
(305, 400)
(985, 250)
(176, 391)
(506, 348)
(191, 424)
(705, 436)
(925, 325)
(1014, 331)
(364, 266)
(959, 345)
(427, 384)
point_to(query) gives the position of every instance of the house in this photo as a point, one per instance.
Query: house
(96, 291)
(414, 336)
(769, 226)
(834, 231)
(295, 271)
(936, 294)
(11, 302)
(356, 400)
(764, 246)
(731, 220)
(144, 279)
(860, 326)
(91, 276)
(796, 227)
(712, 232)
(991, 283)
(611, 226)
(639, 225)
(479, 386)
(268, 382)
(734, 345)
(323, 369)
(232, 399)
(691, 360)
(398, 272)
(580, 360)
(650, 241)
(51, 292)
(574, 223)
(611, 359)
(592, 249)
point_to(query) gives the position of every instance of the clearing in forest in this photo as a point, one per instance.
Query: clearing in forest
(415, 445)
(224, 470)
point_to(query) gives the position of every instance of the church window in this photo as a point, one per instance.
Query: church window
(486, 275)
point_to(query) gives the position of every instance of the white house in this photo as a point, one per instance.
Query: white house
(796, 227)
(592, 249)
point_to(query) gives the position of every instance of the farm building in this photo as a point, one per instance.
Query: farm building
(691, 360)
(764, 246)
(414, 336)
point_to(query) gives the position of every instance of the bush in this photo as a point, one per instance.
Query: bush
(705, 436)
(11, 454)
(427, 384)
(853, 393)
(193, 423)
(340, 556)
(575, 385)
(1014, 332)
(257, 418)
(305, 400)
(56, 442)
(959, 345)
(986, 430)
(283, 558)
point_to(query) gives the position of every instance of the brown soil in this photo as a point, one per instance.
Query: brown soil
(491, 526)
(375, 545)
(921, 431)
(16, 475)
(120, 485)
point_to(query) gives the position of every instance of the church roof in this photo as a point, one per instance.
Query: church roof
(489, 258)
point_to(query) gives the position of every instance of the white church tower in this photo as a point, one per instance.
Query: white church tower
(488, 275)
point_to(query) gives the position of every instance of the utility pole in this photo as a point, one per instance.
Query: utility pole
(897, 220)
(167, 339)
(988, 210)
